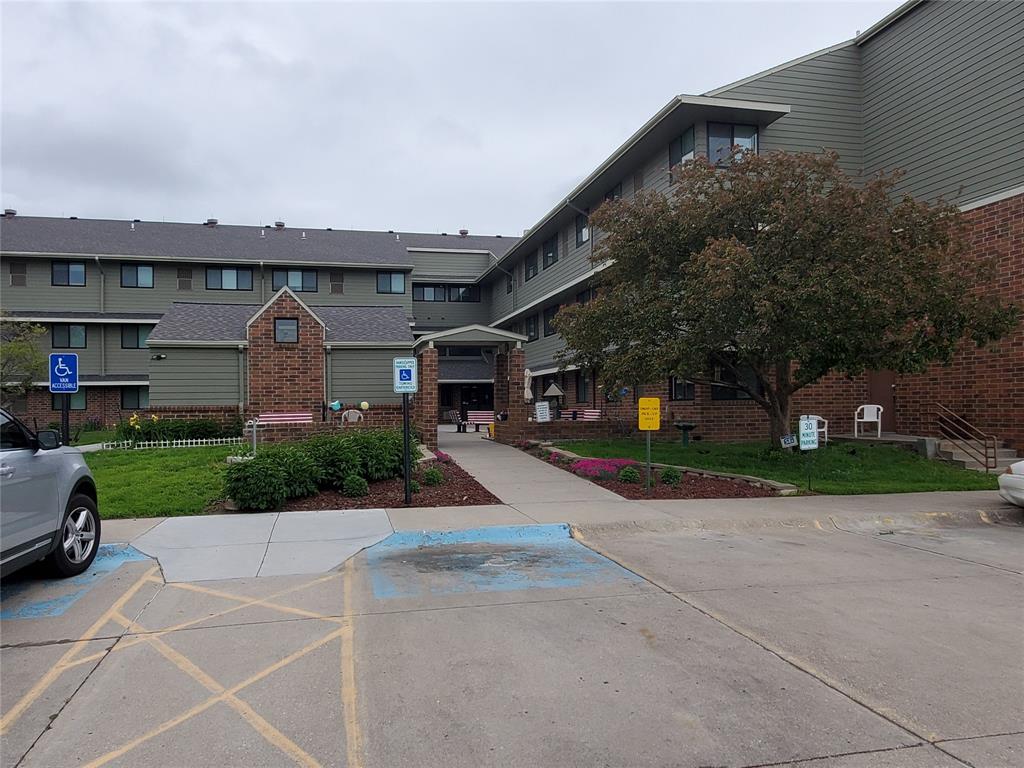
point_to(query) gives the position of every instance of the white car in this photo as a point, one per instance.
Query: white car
(1011, 484)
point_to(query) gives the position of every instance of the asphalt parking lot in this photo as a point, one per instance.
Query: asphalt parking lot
(666, 646)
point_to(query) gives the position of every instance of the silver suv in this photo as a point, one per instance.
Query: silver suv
(47, 501)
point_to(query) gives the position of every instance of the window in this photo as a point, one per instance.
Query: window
(427, 292)
(746, 374)
(136, 276)
(134, 397)
(681, 149)
(530, 266)
(680, 389)
(78, 400)
(229, 279)
(135, 336)
(286, 330)
(582, 229)
(531, 328)
(12, 436)
(464, 293)
(722, 137)
(391, 282)
(337, 281)
(550, 249)
(549, 318)
(615, 193)
(296, 279)
(583, 389)
(509, 282)
(67, 273)
(69, 336)
(19, 273)
(184, 278)
(638, 181)
(585, 295)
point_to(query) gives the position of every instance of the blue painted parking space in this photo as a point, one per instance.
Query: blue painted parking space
(27, 596)
(493, 559)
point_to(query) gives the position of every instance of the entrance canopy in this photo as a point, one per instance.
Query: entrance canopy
(470, 336)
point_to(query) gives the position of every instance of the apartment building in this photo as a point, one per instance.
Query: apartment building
(178, 316)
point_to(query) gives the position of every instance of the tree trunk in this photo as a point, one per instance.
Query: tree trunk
(778, 417)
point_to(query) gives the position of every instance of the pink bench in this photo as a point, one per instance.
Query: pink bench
(283, 418)
(587, 414)
(476, 418)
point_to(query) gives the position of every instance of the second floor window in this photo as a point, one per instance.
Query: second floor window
(582, 229)
(549, 320)
(136, 275)
(550, 249)
(286, 330)
(67, 273)
(681, 149)
(464, 293)
(531, 328)
(296, 279)
(680, 389)
(391, 282)
(427, 292)
(530, 266)
(229, 278)
(722, 137)
(19, 273)
(134, 336)
(509, 282)
(69, 336)
(615, 193)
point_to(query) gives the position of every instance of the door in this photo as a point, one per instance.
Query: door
(882, 391)
(28, 491)
(476, 397)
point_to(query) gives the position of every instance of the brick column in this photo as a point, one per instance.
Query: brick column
(424, 410)
(509, 386)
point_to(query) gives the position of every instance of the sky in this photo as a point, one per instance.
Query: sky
(408, 116)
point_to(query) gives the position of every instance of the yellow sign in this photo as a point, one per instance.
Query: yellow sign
(649, 414)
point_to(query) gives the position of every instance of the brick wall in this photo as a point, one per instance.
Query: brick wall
(424, 402)
(285, 376)
(377, 417)
(102, 404)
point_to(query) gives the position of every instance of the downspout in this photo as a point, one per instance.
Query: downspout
(327, 381)
(263, 285)
(243, 389)
(103, 328)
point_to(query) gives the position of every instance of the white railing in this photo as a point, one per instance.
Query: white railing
(189, 443)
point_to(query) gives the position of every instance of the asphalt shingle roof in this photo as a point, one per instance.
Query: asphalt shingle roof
(227, 242)
(185, 321)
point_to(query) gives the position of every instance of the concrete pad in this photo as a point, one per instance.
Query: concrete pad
(621, 681)
(208, 531)
(127, 530)
(209, 563)
(998, 546)
(590, 512)
(922, 756)
(455, 518)
(989, 751)
(308, 557)
(22, 669)
(528, 488)
(331, 524)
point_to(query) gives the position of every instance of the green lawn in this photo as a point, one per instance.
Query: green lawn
(88, 438)
(840, 468)
(157, 483)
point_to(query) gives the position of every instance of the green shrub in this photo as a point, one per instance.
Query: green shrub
(629, 475)
(145, 428)
(301, 473)
(414, 486)
(258, 484)
(336, 457)
(671, 476)
(380, 451)
(432, 476)
(354, 485)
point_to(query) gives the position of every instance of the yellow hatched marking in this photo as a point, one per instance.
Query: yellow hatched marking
(353, 733)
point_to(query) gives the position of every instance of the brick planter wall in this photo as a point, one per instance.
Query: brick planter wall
(424, 402)
(282, 376)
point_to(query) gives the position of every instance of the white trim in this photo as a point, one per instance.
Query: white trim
(780, 67)
(894, 16)
(275, 297)
(371, 344)
(477, 251)
(82, 320)
(204, 260)
(551, 294)
(431, 338)
(556, 369)
(448, 279)
(998, 196)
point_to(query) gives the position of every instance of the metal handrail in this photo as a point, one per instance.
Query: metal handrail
(980, 446)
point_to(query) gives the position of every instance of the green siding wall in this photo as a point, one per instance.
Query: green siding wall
(195, 376)
(363, 374)
(135, 361)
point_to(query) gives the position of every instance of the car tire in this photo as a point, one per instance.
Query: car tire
(75, 550)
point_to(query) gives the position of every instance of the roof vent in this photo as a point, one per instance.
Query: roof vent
(263, 234)
(211, 222)
(73, 218)
(463, 232)
(497, 235)
(444, 234)
(10, 212)
(391, 231)
(133, 226)
(278, 225)
(303, 236)
(329, 229)
(136, 220)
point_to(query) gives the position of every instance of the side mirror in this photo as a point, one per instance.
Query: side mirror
(48, 439)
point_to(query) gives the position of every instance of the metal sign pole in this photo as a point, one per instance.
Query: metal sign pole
(405, 450)
(65, 419)
(648, 463)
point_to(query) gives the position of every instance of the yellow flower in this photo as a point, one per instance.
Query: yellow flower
(154, 418)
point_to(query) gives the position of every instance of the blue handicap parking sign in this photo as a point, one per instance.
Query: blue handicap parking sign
(64, 372)
(405, 374)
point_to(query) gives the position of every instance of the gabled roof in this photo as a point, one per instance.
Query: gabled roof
(227, 242)
(284, 290)
(224, 324)
(472, 335)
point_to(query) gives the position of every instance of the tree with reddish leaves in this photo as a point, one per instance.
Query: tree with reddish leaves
(768, 272)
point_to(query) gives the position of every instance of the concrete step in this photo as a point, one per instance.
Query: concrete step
(949, 445)
(958, 455)
(1001, 464)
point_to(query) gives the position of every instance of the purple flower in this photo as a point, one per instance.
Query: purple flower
(605, 469)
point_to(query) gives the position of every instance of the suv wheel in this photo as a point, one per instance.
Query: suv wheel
(79, 537)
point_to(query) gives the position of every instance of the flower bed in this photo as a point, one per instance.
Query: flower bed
(620, 475)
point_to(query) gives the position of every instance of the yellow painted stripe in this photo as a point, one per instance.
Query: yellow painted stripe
(353, 733)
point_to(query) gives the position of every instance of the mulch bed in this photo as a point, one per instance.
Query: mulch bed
(459, 489)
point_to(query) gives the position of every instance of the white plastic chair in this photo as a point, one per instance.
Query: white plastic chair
(867, 414)
(822, 427)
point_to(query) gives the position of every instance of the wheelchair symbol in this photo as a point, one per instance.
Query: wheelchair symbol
(60, 369)
(405, 374)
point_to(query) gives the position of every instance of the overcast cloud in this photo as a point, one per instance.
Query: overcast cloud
(423, 117)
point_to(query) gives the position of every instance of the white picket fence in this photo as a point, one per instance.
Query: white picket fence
(192, 443)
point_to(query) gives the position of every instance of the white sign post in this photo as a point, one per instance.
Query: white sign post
(405, 383)
(808, 442)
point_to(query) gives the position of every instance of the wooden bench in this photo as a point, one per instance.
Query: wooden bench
(476, 418)
(578, 414)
